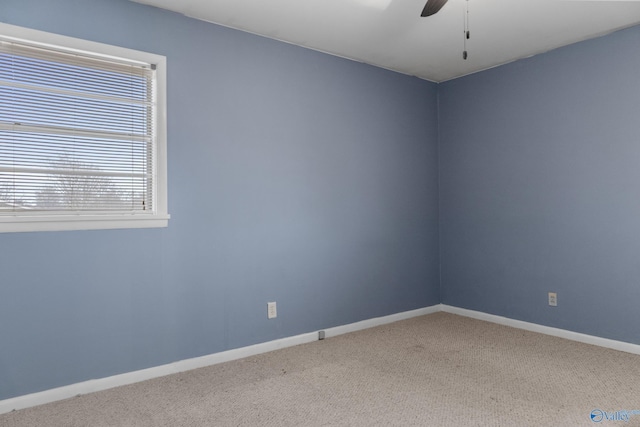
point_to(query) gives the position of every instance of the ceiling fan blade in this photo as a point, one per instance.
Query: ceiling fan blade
(432, 7)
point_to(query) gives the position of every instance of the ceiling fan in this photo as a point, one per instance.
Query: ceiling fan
(432, 7)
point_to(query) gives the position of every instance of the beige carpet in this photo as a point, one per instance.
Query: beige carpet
(435, 370)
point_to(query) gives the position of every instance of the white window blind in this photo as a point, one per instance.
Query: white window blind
(76, 132)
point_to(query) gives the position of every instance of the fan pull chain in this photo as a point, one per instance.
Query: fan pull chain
(467, 33)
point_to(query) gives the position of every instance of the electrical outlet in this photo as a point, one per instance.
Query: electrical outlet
(272, 311)
(553, 299)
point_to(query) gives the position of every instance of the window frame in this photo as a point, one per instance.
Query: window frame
(77, 220)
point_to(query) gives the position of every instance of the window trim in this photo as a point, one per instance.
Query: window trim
(80, 221)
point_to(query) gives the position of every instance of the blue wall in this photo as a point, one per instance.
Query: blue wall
(294, 177)
(540, 188)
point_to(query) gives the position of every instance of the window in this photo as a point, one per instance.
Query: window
(82, 134)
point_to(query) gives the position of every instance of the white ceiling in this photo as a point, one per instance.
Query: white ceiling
(391, 34)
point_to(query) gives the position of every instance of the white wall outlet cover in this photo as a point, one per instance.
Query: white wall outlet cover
(272, 311)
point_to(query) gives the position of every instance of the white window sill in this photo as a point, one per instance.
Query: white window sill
(11, 224)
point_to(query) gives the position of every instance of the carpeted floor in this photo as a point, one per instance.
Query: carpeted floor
(435, 370)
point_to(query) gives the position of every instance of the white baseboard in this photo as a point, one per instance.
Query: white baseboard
(66, 392)
(547, 330)
(377, 321)
(91, 386)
